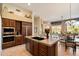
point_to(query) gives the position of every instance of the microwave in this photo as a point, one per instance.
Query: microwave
(8, 30)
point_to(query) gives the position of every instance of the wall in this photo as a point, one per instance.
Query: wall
(0, 29)
(0, 36)
(37, 25)
(6, 8)
(45, 24)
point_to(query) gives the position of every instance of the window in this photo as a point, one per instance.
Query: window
(73, 26)
(56, 29)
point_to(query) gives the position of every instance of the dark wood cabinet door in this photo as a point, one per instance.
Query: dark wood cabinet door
(29, 30)
(43, 50)
(18, 40)
(12, 23)
(23, 29)
(36, 51)
(31, 47)
(26, 29)
(5, 22)
(18, 27)
(8, 22)
(51, 51)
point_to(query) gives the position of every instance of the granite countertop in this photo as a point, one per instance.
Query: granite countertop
(47, 42)
(17, 35)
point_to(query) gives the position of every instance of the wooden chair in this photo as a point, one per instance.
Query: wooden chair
(70, 43)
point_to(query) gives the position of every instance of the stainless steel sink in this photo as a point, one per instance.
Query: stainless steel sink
(38, 38)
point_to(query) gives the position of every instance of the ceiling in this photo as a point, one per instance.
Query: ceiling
(52, 11)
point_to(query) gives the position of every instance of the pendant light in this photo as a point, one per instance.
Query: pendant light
(70, 14)
(69, 22)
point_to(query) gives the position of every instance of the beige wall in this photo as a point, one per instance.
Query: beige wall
(16, 15)
(37, 26)
(45, 24)
(0, 8)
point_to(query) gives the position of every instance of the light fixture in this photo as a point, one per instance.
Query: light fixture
(70, 10)
(29, 4)
(61, 17)
(70, 21)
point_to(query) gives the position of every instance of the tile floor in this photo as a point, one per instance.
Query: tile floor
(16, 51)
(21, 51)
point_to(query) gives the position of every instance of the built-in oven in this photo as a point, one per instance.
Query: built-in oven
(8, 34)
(8, 39)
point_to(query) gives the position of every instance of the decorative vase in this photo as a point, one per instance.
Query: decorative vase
(47, 33)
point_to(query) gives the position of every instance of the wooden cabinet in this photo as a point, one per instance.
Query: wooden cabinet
(18, 27)
(40, 49)
(7, 44)
(43, 50)
(8, 22)
(52, 50)
(23, 29)
(35, 47)
(26, 28)
(31, 46)
(12, 23)
(18, 40)
(5, 22)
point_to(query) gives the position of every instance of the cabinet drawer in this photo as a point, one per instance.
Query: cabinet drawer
(8, 44)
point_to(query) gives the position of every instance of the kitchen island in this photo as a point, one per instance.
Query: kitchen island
(41, 47)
